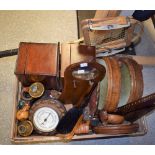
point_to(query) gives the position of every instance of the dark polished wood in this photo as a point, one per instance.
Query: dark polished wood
(75, 89)
(138, 108)
(37, 62)
(116, 129)
(55, 105)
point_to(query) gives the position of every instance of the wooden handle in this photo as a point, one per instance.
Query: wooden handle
(110, 118)
(106, 13)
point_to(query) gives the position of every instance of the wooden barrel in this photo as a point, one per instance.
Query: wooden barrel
(132, 80)
(123, 82)
(110, 86)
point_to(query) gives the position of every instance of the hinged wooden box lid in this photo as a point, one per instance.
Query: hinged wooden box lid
(37, 62)
(37, 58)
(73, 53)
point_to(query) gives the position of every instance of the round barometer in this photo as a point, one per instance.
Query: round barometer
(46, 114)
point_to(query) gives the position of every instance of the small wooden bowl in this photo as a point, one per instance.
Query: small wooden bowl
(116, 129)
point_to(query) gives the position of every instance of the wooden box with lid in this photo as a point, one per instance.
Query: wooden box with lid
(38, 62)
(41, 61)
(52, 67)
(15, 138)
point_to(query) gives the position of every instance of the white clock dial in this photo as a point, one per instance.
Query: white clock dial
(45, 119)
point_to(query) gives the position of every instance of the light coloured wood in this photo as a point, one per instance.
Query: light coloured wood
(45, 139)
(145, 60)
(109, 88)
(112, 45)
(106, 13)
(13, 124)
(136, 83)
(65, 57)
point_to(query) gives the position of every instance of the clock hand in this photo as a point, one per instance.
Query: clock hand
(46, 119)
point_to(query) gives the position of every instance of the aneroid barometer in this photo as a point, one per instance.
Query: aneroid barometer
(46, 114)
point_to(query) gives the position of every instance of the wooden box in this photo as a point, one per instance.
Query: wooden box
(37, 62)
(73, 53)
(28, 71)
(34, 139)
(41, 61)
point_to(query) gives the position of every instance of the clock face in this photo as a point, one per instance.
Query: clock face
(45, 119)
(45, 115)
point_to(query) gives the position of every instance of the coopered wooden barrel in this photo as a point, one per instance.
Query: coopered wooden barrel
(132, 80)
(123, 82)
(110, 86)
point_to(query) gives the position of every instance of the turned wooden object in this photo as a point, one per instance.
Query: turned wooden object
(110, 118)
(83, 128)
(116, 129)
(75, 89)
(23, 113)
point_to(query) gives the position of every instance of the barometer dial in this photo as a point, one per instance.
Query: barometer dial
(46, 114)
